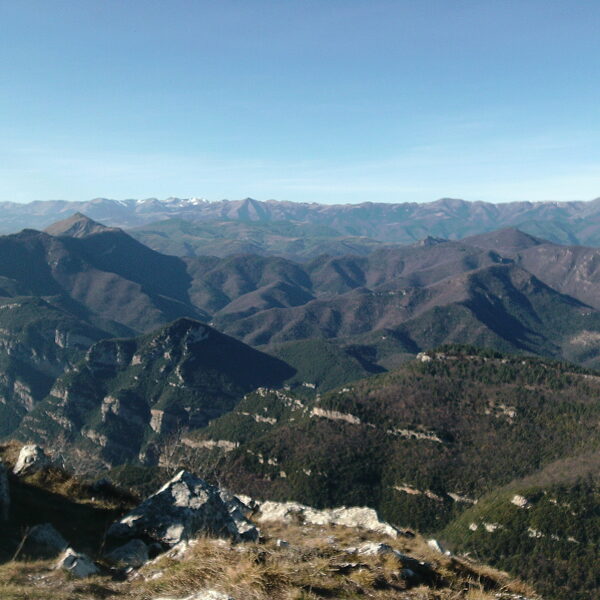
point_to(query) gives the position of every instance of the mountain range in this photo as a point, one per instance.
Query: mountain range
(419, 379)
(506, 289)
(284, 223)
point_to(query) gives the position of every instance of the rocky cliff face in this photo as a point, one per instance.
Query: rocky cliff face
(127, 396)
(39, 341)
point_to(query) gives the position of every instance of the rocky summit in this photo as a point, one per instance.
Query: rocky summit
(195, 540)
(183, 508)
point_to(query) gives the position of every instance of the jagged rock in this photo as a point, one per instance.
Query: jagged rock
(285, 512)
(4, 494)
(184, 507)
(252, 504)
(31, 459)
(361, 517)
(44, 541)
(240, 513)
(238, 504)
(132, 554)
(79, 565)
(204, 595)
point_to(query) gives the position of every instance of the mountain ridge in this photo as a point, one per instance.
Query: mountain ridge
(573, 222)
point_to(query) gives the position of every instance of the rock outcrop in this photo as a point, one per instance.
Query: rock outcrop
(359, 517)
(240, 513)
(184, 507)
(79, 565)
(31, 459)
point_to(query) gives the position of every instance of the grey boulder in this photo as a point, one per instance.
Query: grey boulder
(31, 459)
(132, 554)
(183, 508)
(240, 512)
(77, 564)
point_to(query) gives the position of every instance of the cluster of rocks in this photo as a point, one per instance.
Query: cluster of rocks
(292, 512)
(185, 507)
(168, 522)
(182, 509)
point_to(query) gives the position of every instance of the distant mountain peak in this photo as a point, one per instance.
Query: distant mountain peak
(183, 327)
(429, 241)
(509, 239)
(77, 225)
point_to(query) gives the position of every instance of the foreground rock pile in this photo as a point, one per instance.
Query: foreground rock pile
(194, 541)
(182, 508)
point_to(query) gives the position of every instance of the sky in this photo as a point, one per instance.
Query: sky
(329, 101)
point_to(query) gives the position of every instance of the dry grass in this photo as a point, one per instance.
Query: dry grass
(314, 566)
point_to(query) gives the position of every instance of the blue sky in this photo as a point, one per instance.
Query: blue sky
(307, 100)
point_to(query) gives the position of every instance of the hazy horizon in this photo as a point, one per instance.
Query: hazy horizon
(215, 200)
(338, 102)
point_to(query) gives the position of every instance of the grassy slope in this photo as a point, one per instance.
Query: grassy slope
(315, 565)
